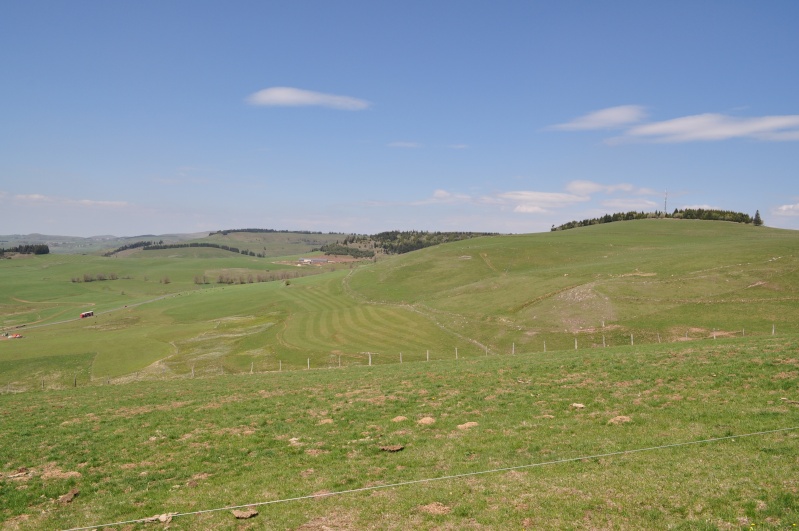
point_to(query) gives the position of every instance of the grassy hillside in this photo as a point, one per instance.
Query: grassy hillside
(148, 448)
(648, 278)
(166, 314)
(186, 427)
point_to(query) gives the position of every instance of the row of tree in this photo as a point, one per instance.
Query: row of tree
(95, 277)
(202, 244)
(345, 250)
(687, 213)
(134, 245)
(399, 242)
(39, 248)
(228, 231)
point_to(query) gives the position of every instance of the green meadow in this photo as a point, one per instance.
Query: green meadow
(184, 393)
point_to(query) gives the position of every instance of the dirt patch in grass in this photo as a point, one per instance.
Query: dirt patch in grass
(435, 508)
(196, 478)
(467, 425)
(52, 471)
(330, 522)
(621, 419)
(326, 421)
(399, 419)
(216, 404)
(426, 421)
(316, 451)
(128, 412)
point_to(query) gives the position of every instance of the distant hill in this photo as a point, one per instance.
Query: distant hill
(84, 245)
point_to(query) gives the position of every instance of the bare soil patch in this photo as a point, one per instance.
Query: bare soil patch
(435, 508)
(621, 419)
(52, 471)
(426, 421)
(467, 425)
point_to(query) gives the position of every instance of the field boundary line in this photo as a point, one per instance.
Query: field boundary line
(443, 478)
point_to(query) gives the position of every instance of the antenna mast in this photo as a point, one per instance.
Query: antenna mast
(665, 204)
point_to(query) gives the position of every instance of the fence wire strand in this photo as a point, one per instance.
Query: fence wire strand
(441, 478)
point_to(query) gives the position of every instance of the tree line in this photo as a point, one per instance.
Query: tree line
(228, 231)
(134, 245)
(202, 244)
(39, 248)
(687, 213)
(399, 242)
(345, 250)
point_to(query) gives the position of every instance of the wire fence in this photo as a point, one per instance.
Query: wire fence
(168, 516)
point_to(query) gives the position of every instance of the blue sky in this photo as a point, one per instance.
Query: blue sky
(149, 117)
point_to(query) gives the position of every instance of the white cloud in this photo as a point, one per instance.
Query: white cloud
(101, 204)
(442, 196)
(34, 198)
(787, 210)
(538, 202)
(710, 127)
(90, 203)
(629, 204)
(590, 187)
(610, 118)
(294, 97)
(407, 145)
(705, 127)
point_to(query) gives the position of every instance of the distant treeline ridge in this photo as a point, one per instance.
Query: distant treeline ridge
(688, 213)
(228, 231)
(27, 249)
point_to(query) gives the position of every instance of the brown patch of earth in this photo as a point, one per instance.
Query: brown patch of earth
(52, 471)
(326, 421)
(69, 496)
(621, 419)
(426, 421)
(467, 425)
(399, 419)
(140, 410)
(316, 451)
(435, 508)
(331, 522)
(392, 448)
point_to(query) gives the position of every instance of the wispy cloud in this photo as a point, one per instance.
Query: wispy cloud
(294, 97)
(47, 199)
(705, 127)
(622, 196)
(710, 127)
(787, 210)
(444, 197)
(531, 202)
(629, 204)
(610, 118)
(406, 145)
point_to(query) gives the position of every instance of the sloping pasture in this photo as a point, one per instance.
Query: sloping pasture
(684, 436)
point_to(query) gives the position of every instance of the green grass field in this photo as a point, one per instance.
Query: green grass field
(174, 446)
(698, 321)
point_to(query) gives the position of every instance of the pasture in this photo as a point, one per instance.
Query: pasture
(147, 448)
(184, 393)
